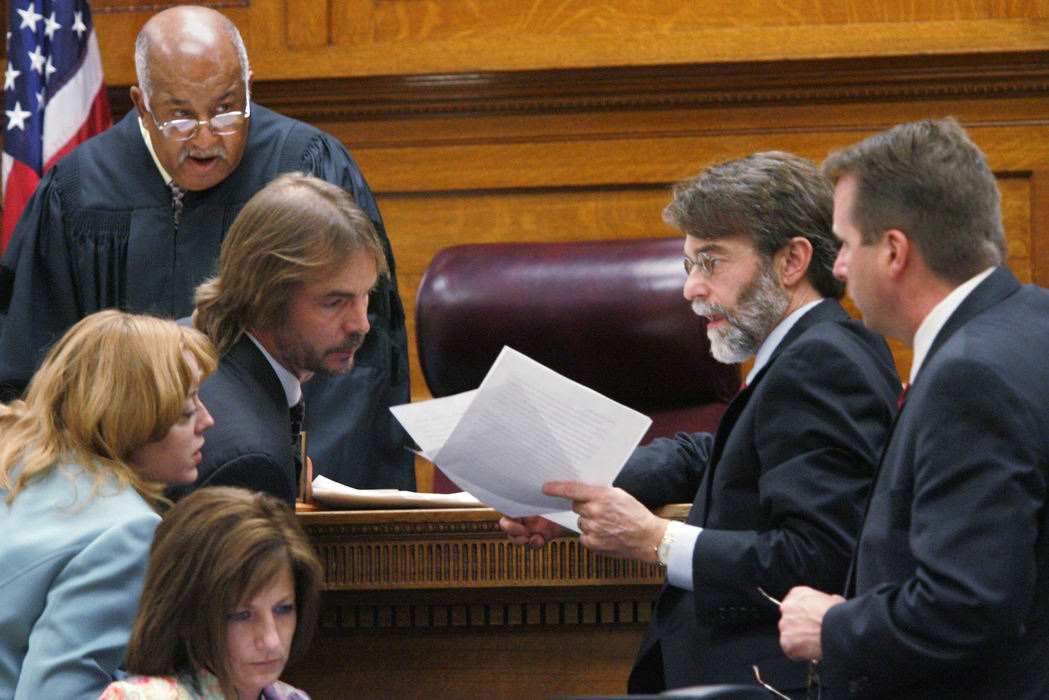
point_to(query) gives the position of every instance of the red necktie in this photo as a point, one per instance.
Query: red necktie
(903, 394)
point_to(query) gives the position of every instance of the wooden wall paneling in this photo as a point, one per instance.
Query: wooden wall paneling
(307, 24)
(419, 37)
(1039, 226)
(118, 22)
(353, 21)
(639, 38)
(509, 663)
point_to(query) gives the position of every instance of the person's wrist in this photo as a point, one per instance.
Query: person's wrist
(662, 548)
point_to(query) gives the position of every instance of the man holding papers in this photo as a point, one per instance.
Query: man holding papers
(778, 492)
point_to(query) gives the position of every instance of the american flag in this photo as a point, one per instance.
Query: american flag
(54, 97)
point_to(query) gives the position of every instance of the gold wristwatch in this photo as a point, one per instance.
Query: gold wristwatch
(663, 548)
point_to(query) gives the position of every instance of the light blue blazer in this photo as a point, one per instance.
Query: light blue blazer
(71, 572)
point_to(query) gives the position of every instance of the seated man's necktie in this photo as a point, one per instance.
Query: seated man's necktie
(297, 413)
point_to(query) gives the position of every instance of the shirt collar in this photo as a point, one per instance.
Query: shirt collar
(769, 345)
(934, 321)
(288, 381)
(149, 147)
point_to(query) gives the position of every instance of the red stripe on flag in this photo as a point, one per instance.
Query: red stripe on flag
(21, 182)
(98, 120)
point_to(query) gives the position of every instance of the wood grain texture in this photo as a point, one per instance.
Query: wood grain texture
(418, 37)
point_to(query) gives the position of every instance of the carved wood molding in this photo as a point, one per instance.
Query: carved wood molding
(106, 7)
(970, 76)
(341, 614)
(724, 84)
(456, 568)
(412, 553)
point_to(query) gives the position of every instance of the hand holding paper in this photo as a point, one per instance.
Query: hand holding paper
(525, 425)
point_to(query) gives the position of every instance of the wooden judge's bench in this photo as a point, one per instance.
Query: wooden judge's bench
(439, 604)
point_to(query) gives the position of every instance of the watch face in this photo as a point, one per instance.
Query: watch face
(663, 550)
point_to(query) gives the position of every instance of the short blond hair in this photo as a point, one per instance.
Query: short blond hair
(112, 384)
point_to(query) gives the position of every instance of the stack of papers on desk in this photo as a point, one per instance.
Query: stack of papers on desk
(332, 493)
(525, 425)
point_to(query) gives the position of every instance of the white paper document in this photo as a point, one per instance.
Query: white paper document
(525, 425)
(332, 493)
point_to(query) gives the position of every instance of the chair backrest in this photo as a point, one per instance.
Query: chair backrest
(608, 314)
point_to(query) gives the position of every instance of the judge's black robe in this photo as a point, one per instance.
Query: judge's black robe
(99, 232)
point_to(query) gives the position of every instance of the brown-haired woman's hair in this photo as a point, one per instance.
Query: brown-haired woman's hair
(294, 230)
(112, 384)
(216, 548)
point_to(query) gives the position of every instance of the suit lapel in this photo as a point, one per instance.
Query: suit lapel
(827, 310)
(244, 353)
(998, 285)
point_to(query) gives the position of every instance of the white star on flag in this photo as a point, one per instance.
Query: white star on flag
(9, 77)
(51, 27)
(16, 117)
(36, 57)
(54, 95)
(78, 24)
(29, 18)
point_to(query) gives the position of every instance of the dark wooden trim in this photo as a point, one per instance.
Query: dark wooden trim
(972, 76)
(109, 7)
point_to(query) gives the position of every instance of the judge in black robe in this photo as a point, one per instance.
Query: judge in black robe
(100, 232)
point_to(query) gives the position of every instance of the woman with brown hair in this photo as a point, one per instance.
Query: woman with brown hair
(231, 596)
(110, 418)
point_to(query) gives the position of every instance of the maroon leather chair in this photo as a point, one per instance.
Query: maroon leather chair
(608, 314)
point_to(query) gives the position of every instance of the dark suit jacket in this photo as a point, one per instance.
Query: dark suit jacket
(250, 443)
(780, 491)
(950, 585)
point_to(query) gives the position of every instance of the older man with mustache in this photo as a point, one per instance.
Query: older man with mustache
(778, 492)
(290, 301)
(135, 217)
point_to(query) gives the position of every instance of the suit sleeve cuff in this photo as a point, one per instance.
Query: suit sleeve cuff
(679, 561)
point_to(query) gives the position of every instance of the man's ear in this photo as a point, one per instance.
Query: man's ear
(898, 251)
(139, 101)
(792, 261)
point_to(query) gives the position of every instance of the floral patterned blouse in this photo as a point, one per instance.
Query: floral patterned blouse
(206, 687)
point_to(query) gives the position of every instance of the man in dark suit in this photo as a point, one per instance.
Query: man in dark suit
(290, 301)
(778, 492)
(948, 593)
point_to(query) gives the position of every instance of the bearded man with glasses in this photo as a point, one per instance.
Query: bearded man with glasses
(135, 218)
(777, 494)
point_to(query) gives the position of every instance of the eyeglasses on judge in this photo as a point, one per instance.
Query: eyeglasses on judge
(706, 263)
(223, 124)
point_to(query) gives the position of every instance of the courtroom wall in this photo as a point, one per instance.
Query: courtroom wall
(497, 120)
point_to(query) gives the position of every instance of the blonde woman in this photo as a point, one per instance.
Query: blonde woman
(230, 597)
(110, 418)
